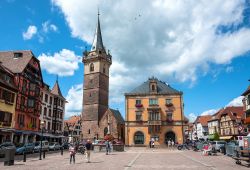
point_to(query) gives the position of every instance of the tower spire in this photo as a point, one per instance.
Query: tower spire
(97, 43)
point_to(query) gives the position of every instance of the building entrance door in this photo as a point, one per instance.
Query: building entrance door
(169, 136)
(139, 138)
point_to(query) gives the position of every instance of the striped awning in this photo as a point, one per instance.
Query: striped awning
(226, 137)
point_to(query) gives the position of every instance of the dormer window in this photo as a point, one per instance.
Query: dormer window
(17, 55)
(153, 87)
(91, 67)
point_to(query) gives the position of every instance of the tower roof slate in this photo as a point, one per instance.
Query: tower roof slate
(117, 115)
(97, 42)
(56, 90)
(162, 88)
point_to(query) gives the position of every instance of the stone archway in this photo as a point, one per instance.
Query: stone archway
(139, 138)
(170, 136)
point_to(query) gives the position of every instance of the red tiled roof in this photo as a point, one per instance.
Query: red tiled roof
(72, 120)
(233, 109)
(16, 65)
(216, 116)
(204, 119)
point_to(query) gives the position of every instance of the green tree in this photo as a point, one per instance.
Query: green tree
(216, 136)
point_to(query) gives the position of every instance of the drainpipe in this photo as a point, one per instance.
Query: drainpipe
(181, 102)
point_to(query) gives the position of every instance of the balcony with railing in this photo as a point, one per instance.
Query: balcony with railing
(138, 106)
(154, 122)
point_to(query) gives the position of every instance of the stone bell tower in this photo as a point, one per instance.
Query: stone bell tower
(96, 85)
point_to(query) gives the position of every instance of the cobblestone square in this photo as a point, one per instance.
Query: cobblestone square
(132, 158)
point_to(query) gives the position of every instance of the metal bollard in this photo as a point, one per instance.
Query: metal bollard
(43, 154)
(61, 151)
(40, 154)
(24, 156)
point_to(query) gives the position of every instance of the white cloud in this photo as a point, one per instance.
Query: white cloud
(236, 101)
(168, 39)
(62, 63)
(31, 31)
(192, 117)
(209, 112)
(229, 69)
(47, 26)
(74, 98)
(53, 27)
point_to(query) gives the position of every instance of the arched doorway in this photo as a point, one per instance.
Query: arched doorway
(139, 138)
(169, 136)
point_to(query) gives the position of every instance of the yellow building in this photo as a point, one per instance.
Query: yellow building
(154, 111)
(7, 104)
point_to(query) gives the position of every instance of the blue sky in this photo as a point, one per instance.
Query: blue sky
(201, 48)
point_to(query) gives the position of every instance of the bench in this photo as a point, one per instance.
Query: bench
(239, 156)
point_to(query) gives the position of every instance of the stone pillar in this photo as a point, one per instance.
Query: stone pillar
(21, 139)
(12, 137)
(26, 139)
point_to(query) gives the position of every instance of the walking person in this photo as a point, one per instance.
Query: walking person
(72, 153)
(107, 146)
(169, 143)
(150, 143)
(88, 147)
(153, 144)
(110, 147)
(172, 143)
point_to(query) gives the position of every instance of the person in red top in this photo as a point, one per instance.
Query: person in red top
(72, 152)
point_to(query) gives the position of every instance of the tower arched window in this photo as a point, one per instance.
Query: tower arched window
(92, 67)
(153, 88)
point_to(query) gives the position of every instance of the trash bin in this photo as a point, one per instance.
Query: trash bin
(9, 156)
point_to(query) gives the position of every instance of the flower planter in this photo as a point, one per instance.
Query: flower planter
(170, 121)
(169, 104)
(138, 105)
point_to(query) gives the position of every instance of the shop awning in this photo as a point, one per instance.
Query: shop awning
(226, 137)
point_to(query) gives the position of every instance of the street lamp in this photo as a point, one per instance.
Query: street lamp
(41, 145)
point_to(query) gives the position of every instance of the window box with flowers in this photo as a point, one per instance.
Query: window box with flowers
(170, 120)
(140, 121)
(138, 105)
(169, 104)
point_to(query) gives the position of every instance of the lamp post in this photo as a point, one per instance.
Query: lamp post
(41, 145)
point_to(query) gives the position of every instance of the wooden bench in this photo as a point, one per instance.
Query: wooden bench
(238, 157)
